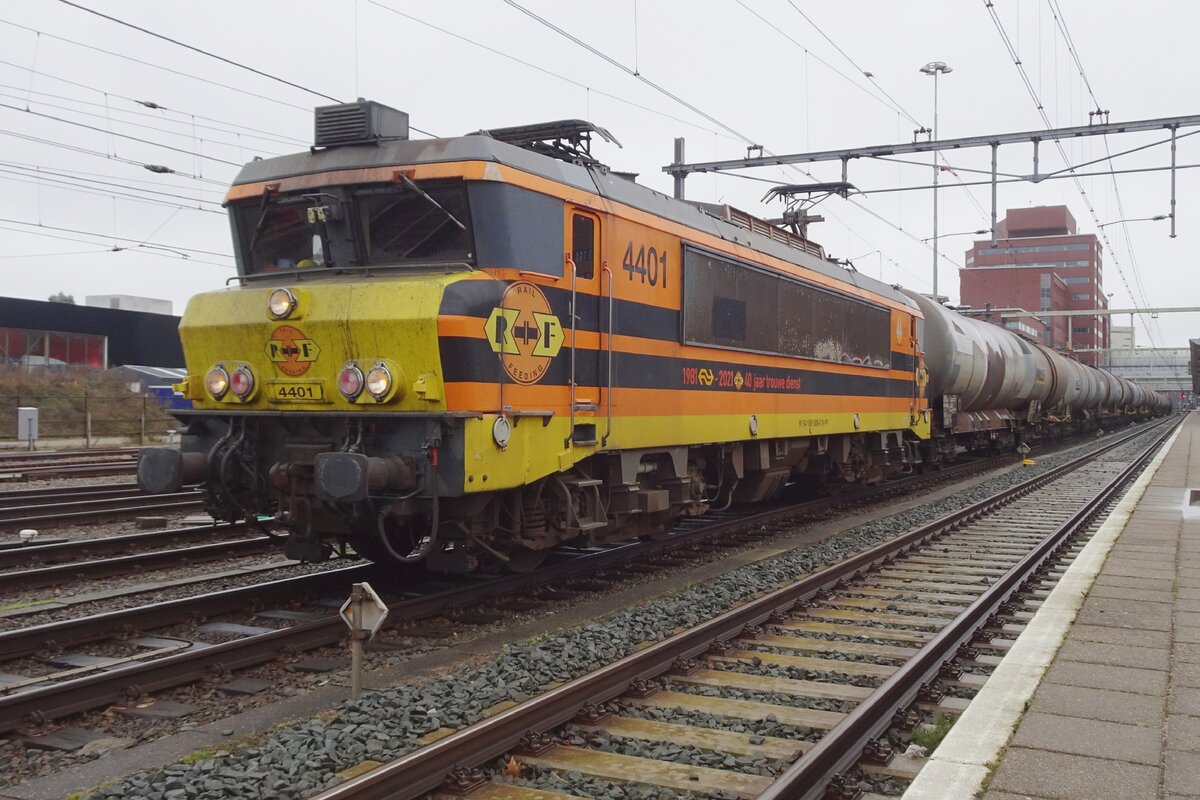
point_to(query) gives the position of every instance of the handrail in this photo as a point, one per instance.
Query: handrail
(608, 392)
(570, 262)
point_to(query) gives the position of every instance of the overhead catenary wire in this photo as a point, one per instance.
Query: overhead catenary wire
(145, 250)
(52, 183)
(1021, 71)
(210, 54)
(108, 236)
(1061, 24)
(895, 104)
(886, 100)
(20, 110)
(141, 125)
(94, 178)
(109, 156)
(200, 50)
(161, 67)
(119, 180)
(747, 140)
(223, 126)
(543, 70)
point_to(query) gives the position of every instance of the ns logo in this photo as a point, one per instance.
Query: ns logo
(524, 332)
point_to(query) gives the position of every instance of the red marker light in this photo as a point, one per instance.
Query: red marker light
(350, 382)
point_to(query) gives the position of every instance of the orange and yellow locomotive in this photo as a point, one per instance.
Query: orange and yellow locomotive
(468, 351)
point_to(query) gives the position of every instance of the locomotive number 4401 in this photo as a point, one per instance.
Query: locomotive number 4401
(295, 392)
(647, 263)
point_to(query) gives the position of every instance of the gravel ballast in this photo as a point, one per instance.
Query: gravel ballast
(305, 757)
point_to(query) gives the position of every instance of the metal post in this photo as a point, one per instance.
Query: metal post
(680, 177)
(1174, 131)
(143, 435)
(357, 634)
(935, 188)
(87, 422)
(995, 148)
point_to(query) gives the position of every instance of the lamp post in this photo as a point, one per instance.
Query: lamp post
(935, 68)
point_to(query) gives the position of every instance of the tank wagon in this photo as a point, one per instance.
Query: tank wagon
(468, 351)
(992, 389)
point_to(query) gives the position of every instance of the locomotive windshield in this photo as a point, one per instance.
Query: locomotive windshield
(426, 223)
(275, 235)
(395, 225)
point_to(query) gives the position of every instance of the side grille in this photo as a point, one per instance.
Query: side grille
(341, 125)
(358, 123)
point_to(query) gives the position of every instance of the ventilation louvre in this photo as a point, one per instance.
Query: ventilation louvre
(358, 123)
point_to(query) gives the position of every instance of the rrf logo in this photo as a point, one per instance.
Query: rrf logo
(524, 333)
(290, 351)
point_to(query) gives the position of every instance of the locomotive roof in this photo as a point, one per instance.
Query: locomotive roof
(594, 179)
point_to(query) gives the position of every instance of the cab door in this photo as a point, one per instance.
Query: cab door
(591, 306)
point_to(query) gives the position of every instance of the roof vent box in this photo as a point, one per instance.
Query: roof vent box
(358, 123)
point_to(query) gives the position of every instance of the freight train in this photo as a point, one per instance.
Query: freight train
(468, 351)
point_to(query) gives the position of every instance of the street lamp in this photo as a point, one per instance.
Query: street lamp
(1155, 218)
(935, 68)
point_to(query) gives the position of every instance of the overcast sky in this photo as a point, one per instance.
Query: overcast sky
(790, 75)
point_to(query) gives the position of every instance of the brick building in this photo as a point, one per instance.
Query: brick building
(1041, 263)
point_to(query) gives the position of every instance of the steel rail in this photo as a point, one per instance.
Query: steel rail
(56, 636)
(68, 697)
(50, 702)
(842, 747)
(120, 565)
(425, 769)
(50, 455)
(41, 473)
(50, 553)
(124, 489)
(92, 509)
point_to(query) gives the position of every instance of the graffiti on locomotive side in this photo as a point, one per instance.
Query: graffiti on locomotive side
(739, 380)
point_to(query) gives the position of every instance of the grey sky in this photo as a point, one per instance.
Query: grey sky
(758, 67)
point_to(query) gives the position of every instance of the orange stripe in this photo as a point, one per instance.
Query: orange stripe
(590, 341)
(478, 170)
(484, 397)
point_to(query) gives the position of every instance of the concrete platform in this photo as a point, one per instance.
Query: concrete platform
(1102, 701)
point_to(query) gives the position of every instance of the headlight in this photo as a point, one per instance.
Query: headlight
(281, 303)
(242, 382)
(350, 381)
(379, 381)
(217, 382)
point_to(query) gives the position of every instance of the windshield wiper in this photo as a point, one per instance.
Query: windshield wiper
(262, 218)
(409, 183)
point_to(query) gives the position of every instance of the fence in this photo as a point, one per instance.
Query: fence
(89, 417)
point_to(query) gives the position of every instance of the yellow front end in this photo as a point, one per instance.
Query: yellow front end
(385, 327)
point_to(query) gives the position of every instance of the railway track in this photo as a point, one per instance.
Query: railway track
(42, 465)
(64, 512)
(12, 497)
(59, 552)
(844, 658)
(38, 698)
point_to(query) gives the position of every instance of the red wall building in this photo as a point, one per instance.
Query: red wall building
(1041, 263)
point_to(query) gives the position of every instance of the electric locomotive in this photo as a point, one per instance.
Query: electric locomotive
(468, 351)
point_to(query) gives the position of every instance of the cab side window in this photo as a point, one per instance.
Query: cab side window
(583, 245)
